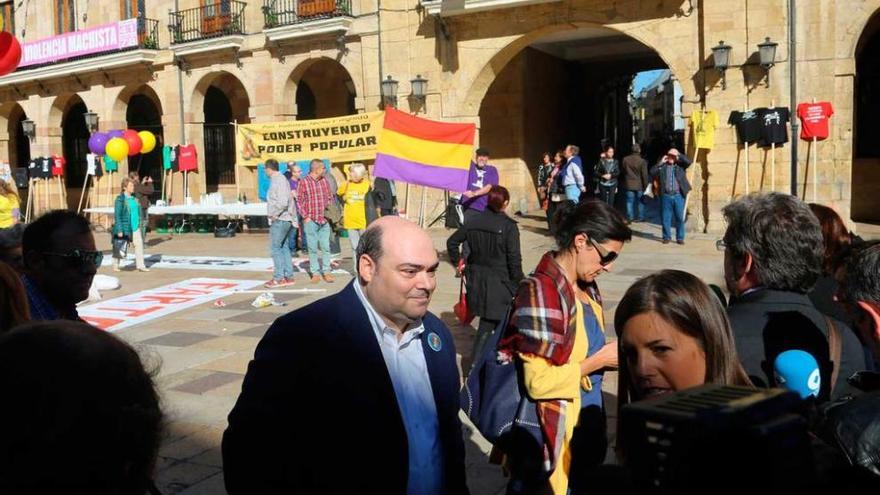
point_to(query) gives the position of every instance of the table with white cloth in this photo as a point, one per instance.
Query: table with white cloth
(221, 210)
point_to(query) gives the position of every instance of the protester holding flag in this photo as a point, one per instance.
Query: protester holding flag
(481, 178)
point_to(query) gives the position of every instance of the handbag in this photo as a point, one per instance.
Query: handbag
(333, 213)
(461, 310)
(120, 247)
(494, 399)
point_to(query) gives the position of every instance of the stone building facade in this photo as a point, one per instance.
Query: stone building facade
(533, 75)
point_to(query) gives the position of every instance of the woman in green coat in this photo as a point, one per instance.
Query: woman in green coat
(127, 213)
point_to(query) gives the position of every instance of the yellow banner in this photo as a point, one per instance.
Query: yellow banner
(338, 139)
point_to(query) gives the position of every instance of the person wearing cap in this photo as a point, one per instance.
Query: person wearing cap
(674, 188)
(481, 178)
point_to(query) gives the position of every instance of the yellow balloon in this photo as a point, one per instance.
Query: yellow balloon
(117, 149)
(149, 140)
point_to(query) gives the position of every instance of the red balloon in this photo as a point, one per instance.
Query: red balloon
(10, 53)
(134, 142)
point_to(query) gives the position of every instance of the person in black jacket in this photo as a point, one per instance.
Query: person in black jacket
(606, 173)
(773, 253)
(493, 268)
(674, 188)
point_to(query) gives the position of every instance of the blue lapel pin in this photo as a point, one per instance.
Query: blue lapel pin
(434, 342)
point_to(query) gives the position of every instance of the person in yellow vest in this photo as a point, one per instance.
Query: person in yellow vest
(354, 195)
(9, 205)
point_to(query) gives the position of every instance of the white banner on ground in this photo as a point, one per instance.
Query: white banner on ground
(134, 309)
(300, 265)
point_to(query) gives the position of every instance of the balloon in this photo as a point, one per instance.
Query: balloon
(117, 149)
(134, 142)
(98, 143)
(149, 141)
(10, 53)
(116, 133)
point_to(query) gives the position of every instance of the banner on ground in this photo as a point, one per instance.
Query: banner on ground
(122, 312)
(425, 152)
(338, 139)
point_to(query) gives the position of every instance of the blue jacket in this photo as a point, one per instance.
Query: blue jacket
(318, 413)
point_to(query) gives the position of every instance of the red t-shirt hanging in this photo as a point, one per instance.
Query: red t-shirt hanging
(814, 119)
(58, 163)
(187, 158)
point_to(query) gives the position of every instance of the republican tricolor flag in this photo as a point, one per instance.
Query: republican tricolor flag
(424, 152)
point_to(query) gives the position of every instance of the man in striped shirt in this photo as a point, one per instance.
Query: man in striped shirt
(313, 196)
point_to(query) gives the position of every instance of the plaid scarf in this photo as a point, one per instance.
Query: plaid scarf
(543, 323)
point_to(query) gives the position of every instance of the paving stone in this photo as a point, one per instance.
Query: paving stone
(215, 314)
(178, 339)
(255, 317)
(256, 331)
(208, 382)
(231, 343)
(211, 486)
(236, 363)
(183, 475)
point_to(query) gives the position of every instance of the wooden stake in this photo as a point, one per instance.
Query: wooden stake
(46, 194)
(773, 166)
(30, 200)
(235, 165)
(748, 176)
(82, 194)
(61, 193)
(813, 152)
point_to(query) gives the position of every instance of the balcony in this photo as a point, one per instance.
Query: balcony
(289, 19)
(215, 26)
(141, 50)
(447, 8)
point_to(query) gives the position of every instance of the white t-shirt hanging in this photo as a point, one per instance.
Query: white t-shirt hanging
(90, 164)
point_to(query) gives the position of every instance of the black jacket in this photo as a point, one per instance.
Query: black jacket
(318, 413)
(635, 173)
(767, 322)
(382, 194)
(606, 166)
(681, 165)
(493, 268)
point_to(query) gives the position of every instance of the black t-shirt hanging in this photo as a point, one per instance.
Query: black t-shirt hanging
(175, 161)
(775, 125)
(33, 168)
(46, 167)
(748, 125)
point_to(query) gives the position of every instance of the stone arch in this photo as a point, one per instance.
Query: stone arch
(120, 104)
(231, 86)
(858, 28)
(486, 76)
(11, 134)
(345, 86)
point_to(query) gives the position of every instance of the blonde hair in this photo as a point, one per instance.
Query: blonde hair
(357, 171)
(126, 181)
(7, 190)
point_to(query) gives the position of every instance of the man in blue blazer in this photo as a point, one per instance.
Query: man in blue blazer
(356, 392)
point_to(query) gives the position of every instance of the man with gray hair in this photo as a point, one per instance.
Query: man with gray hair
(281, 211)
(860, 294)
(773, 253)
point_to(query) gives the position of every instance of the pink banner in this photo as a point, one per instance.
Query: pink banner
(103, 38)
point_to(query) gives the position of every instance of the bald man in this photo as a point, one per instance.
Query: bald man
(356, 392)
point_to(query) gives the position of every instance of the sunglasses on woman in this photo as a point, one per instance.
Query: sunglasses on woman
(606, 257)
(81, 257)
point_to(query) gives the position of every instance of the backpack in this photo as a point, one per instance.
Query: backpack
(495, 401)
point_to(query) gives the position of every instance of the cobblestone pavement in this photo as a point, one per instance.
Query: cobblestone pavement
(201, 353)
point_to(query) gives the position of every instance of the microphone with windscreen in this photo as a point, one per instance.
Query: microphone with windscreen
(798, 371)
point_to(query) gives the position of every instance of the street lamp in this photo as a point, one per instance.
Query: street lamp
(721, 57)
(767, 53)
(419, 88)
(27, 126)
(91, 121)
(389, 92)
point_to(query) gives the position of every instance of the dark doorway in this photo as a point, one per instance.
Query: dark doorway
(305, 102)
(866, 146)
(143, 115)
(20, 149)
(75, 143)
(219, 134)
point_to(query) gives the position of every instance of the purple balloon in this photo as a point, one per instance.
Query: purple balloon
(116, 133)
(97, 143)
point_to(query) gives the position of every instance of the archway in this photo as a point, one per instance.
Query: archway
(324, 89)
(144, 114)
(19, 146)
(74, 142)
(866, 147)
(569, 86)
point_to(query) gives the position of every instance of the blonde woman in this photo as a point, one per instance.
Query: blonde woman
(9, 205)
(127, 213)
(354, 195)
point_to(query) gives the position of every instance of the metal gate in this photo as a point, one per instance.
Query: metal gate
(219, 155)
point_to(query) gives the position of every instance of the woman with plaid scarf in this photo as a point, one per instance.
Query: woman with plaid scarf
(556, 331)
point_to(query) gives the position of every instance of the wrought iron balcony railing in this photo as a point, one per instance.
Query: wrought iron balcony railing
(221, 18)
(148, 33)
(278, 13)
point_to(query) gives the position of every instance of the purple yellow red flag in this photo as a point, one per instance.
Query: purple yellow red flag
(424, 152)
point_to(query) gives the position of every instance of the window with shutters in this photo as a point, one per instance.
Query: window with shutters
(65, 16)
(7, 17)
